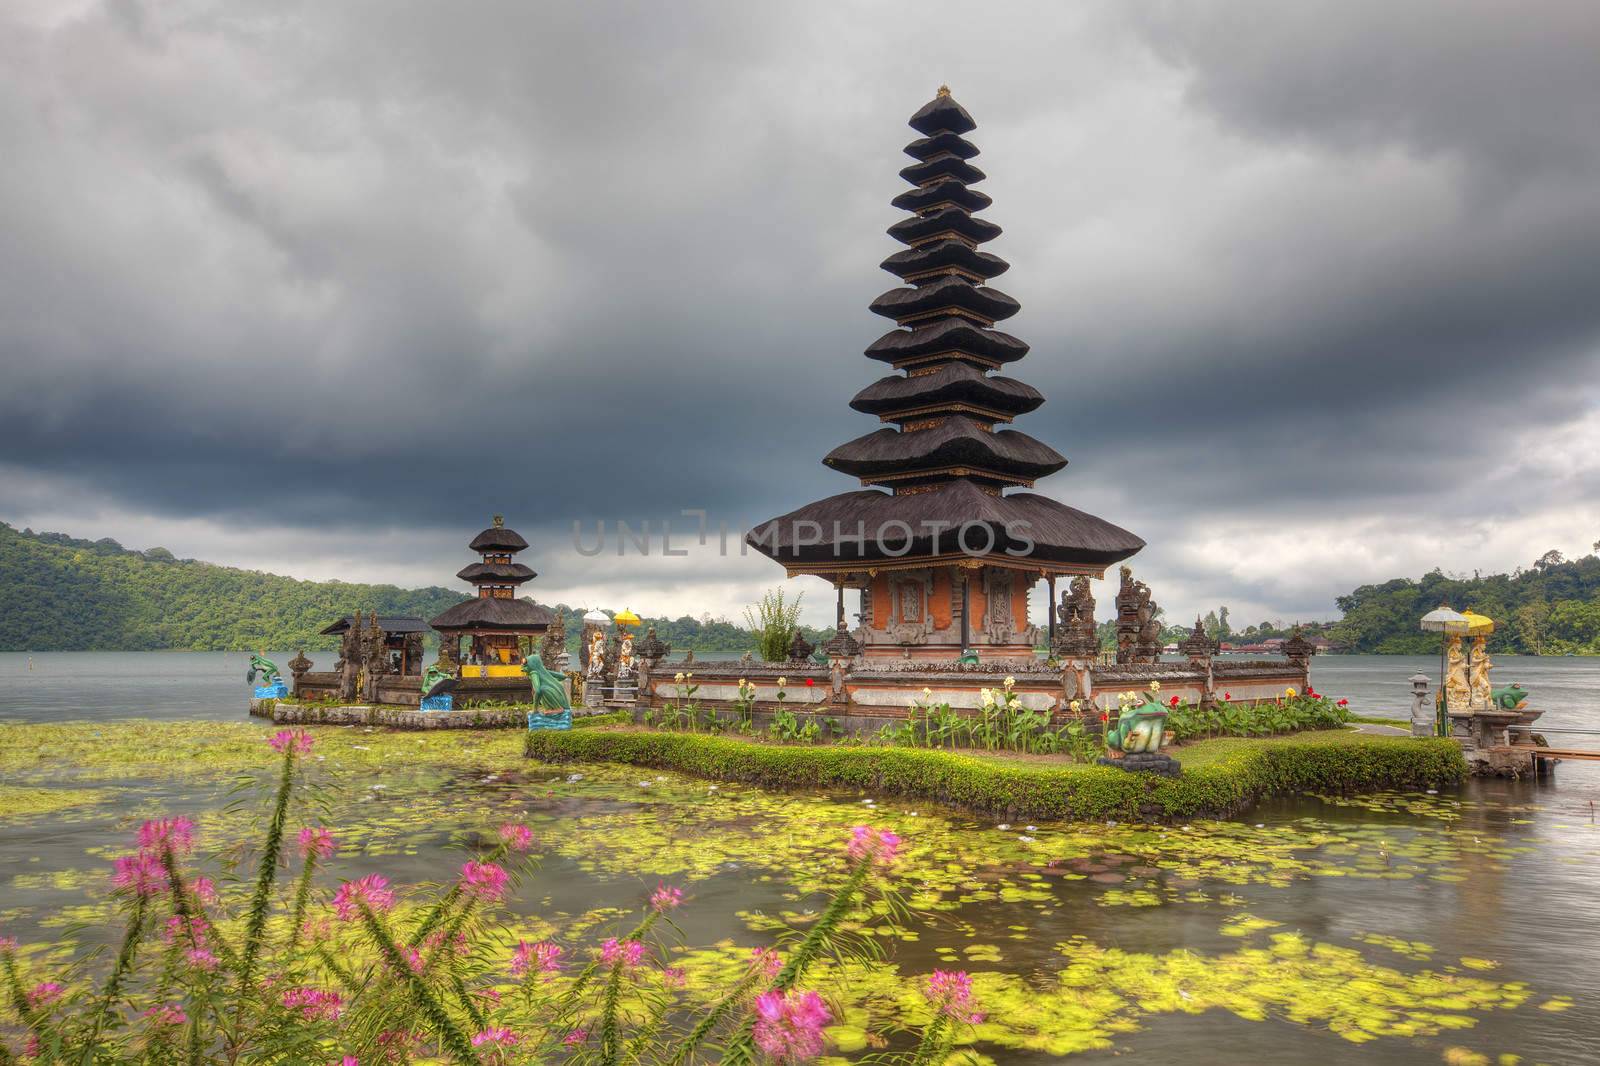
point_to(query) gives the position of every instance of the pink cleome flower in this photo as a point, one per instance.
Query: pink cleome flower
(205, 890)
(674, 977)
(373, 890)
(8, 943)
(576, 1037)
(495, 1036)
(316, 841)
(768, 961)
(789, 1025)
(166, 1014)
(879, 845)
(484, 880)
(313, 1003)
(516, 837)
(543, 957)
(664, 898)
(201, 959)
(286, 739)
(140, 874)
(43, 994)
(950, 992)
(162, 834)
(630, 952)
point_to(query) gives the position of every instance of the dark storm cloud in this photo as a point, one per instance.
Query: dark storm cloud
(409, 265)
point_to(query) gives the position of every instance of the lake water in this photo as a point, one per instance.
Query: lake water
(1440, 927)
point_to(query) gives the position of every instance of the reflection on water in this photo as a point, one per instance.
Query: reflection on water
(1467, 920)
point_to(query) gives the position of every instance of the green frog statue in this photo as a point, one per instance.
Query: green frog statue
(432, 680)
(1510, 698)
(549, 693)
(266, 668)
(1138, 728)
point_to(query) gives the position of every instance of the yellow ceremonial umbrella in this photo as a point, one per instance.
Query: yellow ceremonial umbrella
(626, 617)
(1478, 624)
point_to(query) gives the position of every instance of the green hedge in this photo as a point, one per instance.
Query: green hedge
(1223, 788)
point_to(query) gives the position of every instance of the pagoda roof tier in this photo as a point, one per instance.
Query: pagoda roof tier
(950, 191)
(944, 166)
(947, 255)
(1058, 534)
(926, 148)
(946, 222)
(942, 115)
(498, 539)
(950, 384)
(956, 441)
(494, 613)
(952, 337)
(496, 573)
(946, 295)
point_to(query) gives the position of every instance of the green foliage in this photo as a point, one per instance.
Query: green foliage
(1224, 719)
(1002, 724)
(1551, 609)
(1343, 763)
(62, 594)
(772, 624)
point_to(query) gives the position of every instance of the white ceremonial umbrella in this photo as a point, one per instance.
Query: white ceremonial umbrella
(599, 618)
(1443, 620)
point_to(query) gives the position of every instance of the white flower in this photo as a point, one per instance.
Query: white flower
(1076, 706)
(689, 674)
(988, 697)
(1025, 839)
(742, 682)
(678, 677)
(782, 681)
(1011, 682)
(1030, 829)
(1004, 827)
(927, 692)
(1155, 686)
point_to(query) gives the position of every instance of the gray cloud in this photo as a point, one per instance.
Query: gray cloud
(410, 266)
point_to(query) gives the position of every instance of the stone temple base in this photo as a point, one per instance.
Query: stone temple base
(1144, 762)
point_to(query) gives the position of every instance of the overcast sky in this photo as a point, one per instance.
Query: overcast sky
(1312, 289)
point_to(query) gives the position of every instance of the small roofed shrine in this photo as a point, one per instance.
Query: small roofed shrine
(495, 621)
(400, 637)
(943, 540)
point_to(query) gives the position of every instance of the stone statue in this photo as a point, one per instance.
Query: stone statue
(1457, 693)
(377, 654)
(554, 643)
(1139, 728)
(1480, 692)
(597, 654)
(1127, 618)
(549, 692)
(299, 666)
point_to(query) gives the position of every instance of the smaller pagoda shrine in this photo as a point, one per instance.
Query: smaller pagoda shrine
(495, 621)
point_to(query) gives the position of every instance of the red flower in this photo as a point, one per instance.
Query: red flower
(1227, 695)
(1344, 703)
(1173, 701)
(1104, 717)
(810, 681)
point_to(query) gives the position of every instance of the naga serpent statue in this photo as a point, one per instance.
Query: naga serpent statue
(549, 693)
(433, 681)
(260, 664)
(1138, 728)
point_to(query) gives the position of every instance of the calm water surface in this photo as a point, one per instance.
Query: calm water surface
(1492, 889)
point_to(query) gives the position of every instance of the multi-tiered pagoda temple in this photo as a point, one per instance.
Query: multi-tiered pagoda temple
(494, 621)
(942, 540)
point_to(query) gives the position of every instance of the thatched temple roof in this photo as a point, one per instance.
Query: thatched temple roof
(944, 458)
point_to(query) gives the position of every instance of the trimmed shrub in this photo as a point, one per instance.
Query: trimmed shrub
(985, 786)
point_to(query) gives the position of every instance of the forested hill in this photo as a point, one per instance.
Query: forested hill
(1551, 609)
(58, 593)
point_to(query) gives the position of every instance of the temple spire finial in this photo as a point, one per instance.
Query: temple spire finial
(944, 90)
(499, 521)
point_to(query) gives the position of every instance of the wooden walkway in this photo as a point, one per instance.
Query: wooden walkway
(1555, 753)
